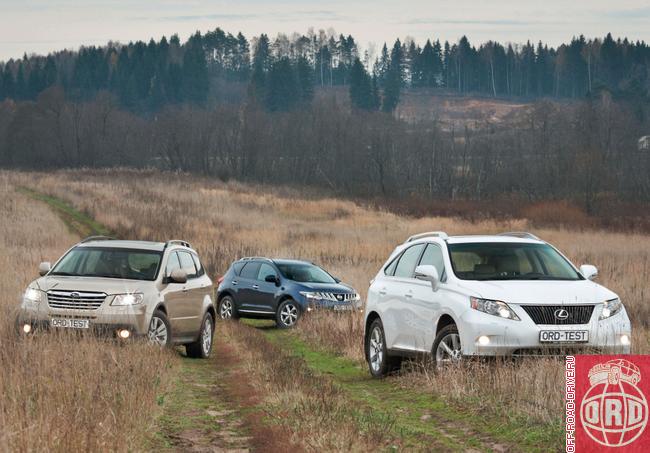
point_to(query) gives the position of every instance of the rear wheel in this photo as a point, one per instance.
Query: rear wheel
(160, 332)
(379, 362)
(202, 347)
(447, 348)
(227, 308)
(287, 314)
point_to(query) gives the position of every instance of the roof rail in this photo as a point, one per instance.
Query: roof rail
(248, 258)
(435, 234)
(178, 242)
(97, 238)
(520, 234)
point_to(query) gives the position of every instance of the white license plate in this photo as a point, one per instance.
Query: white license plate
(564, 336)
(342, 307)
(70, 323)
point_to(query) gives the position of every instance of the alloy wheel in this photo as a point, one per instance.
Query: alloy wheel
(206, 336)
(376, 352)
(226, 309)
(157, 332)
(448, 351)
(289, 314)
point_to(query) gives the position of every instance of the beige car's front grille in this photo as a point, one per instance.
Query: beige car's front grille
(75, 300)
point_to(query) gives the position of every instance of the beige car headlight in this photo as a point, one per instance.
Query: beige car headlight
(33, 295)
(126, 300)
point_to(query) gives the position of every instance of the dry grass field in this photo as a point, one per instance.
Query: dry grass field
(48, 403)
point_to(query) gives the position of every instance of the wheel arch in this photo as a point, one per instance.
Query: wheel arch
(372, 316)
(444, 321)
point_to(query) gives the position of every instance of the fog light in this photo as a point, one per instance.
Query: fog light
(483, 340)
(625, 340)
(27, 328)
(124, 334)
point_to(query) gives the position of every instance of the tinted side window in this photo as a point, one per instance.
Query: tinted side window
(250, 270)
(390, 269)
(433, 256)
(408, 260)
(237, 267)
(265, 270)
(172, 263)
(187, 264)
(199, 267)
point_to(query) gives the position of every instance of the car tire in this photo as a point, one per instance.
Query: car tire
(446, 348)
(226, 309)
(160, 330)
(202, 347)
(287, 314)
(380, 363)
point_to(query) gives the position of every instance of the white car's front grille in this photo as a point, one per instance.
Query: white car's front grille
(559, 314)
(75, 300)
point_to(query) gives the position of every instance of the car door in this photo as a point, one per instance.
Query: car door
(247, 284)
(398, 320)
(264, 292)
(173, 293)
(196, 289)
(185, 313)
(425, 304)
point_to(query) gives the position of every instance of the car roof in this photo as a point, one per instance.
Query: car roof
(119, 244)
(468, 239)
(290, 261)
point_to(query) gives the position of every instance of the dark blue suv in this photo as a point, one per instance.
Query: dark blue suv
(280, 289)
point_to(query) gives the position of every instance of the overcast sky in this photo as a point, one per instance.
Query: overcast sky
(43, 25)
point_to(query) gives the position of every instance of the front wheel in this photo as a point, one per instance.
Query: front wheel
(160, 332)
(446, 347)
(379, 362)
(227, 308)
(202, 347)
(287, 314)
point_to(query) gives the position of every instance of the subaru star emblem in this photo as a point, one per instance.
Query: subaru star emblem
(74, 295)
(561, 314)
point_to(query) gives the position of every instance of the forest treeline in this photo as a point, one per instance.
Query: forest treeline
(281, 73)
(584, 151)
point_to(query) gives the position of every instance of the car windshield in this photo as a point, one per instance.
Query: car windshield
(509, 261)
(109, 263)
(305, 273)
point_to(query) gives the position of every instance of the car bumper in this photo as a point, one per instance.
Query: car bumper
(508, 337)
(106, 319)
(333, 306)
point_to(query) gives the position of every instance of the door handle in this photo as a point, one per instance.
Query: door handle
(185, 290)
(382, 291)
(408, 295)
(256, 287)
(234, 282)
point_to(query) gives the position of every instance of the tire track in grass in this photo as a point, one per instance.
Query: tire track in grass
(417, 415)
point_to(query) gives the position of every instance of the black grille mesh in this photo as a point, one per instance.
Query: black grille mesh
(545, 314)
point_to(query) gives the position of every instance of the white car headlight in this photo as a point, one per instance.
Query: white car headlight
(128, 299)
(610, 308)
(493, 307)
(33, 295)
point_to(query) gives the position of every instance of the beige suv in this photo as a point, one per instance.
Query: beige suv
(127, 289)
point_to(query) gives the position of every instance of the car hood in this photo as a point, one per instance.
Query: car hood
(540, 291)
(97, 284)
(327, 287)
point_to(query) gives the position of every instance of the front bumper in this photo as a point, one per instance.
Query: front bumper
(312, 305)
(106, 319)
(508, 337)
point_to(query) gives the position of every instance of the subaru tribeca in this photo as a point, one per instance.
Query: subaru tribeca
(484, 296)
(125, 288)
(280, 290)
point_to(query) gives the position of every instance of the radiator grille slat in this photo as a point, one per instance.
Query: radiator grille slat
(545, 314)
(75, 300)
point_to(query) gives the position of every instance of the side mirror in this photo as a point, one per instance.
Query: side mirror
(178, 276)
(44, 268)
(588, 271)
(272, 279)
(428, 273)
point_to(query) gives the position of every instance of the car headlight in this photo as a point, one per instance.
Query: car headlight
(33, 295)
(128, 299)
(493, 307)
(610, 308)
(313, 296)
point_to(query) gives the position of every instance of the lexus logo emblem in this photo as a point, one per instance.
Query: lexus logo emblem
(561, 314)
(74, 295)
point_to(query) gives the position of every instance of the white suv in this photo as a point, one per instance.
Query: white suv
(508, 294)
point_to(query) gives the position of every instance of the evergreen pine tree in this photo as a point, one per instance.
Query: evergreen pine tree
(361, 95)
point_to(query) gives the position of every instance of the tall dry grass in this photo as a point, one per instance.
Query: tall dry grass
(57, 392)
(227, 221)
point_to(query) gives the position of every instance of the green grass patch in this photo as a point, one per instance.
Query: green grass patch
(77, 222)
(419, 414)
